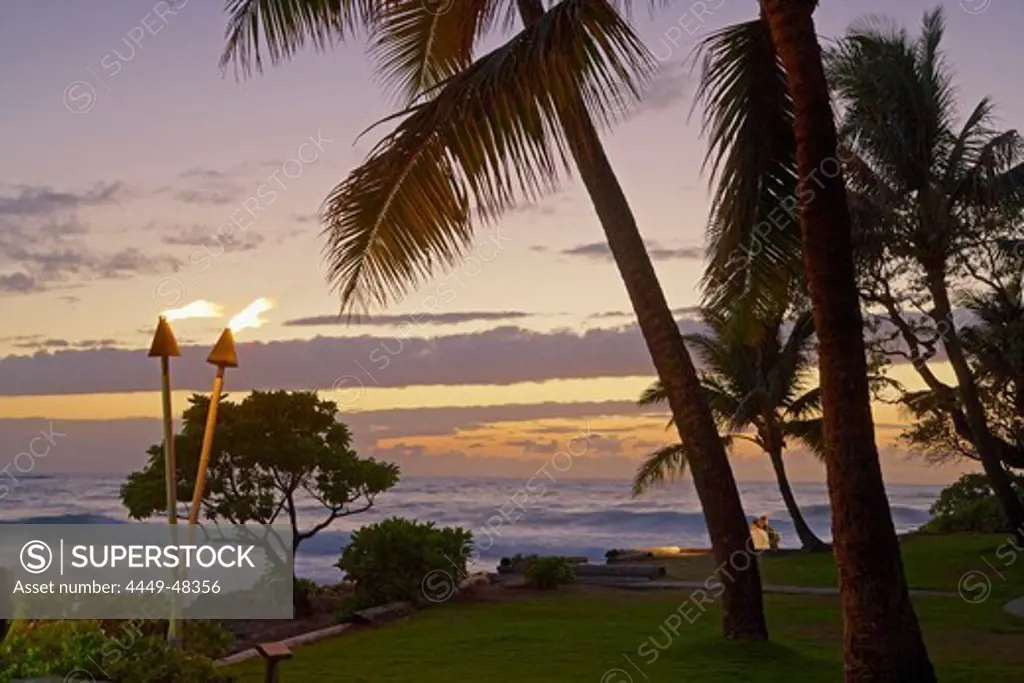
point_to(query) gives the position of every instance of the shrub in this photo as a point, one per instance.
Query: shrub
(521, 563)
(548, 573)
(154, 660)
(206, 638)
(81, 648)
(390, 560)
(350, 605)
(969, 505)
(37, 649)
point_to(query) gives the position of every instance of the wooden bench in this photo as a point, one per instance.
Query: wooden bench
(273, 654)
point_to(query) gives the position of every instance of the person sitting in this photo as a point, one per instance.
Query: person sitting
(763, 535)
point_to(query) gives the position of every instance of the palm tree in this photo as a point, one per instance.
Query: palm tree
(760, 386)
(933, 187)
(882, 637)
(479, 135)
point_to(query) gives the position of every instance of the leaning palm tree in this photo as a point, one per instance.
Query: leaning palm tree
(934, 187)
(759, 387)
(480, 134)
(882, 636)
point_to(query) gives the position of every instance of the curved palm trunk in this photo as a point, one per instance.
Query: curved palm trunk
(982, 438)
(742, 604)
(882, 638)
(808, 539)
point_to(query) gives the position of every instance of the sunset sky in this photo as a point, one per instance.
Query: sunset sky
(138, 177)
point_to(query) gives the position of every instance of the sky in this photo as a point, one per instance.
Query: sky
(140, 177)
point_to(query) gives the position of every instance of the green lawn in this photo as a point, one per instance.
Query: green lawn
(583, 635)
(575, 637)
(933, 562)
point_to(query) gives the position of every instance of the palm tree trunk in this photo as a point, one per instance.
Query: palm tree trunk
(981, 437)
(808, 539)
(742, 604)
(882, 637)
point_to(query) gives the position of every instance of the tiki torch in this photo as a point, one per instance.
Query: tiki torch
(223, 356)
(164, 347)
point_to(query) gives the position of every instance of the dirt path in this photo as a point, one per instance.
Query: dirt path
(1015, 607)
(671, 584)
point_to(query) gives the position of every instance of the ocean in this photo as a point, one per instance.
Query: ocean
(565, 517)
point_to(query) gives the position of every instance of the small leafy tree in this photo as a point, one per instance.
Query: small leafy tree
(271, 452)
(968, 505)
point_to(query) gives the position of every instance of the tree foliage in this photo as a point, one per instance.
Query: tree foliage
(993, 338)
(968, 505)
(272, 453)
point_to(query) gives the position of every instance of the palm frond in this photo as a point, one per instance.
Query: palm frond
(891, 109)
(653, 395)
(283, 27)
(489, 137)
(792, 362)
(809, 432)
(749, 408)
(753, 234)
(807, 403)
(989, 177)
(720, 399)
(666, 464)
(419, 44)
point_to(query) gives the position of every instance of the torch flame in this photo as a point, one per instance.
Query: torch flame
(196, 309)
(250, 316)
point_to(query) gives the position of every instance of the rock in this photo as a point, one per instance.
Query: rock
(641, 571)
(383, 613)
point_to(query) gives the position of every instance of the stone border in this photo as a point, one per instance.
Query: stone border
(371, 617)
(301, 639)
(382, 613)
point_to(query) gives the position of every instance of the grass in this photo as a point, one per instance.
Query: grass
(579, 636)
(607, 636)
(932, 562)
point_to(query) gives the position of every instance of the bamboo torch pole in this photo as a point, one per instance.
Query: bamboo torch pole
(164, 347)
(223, 356)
